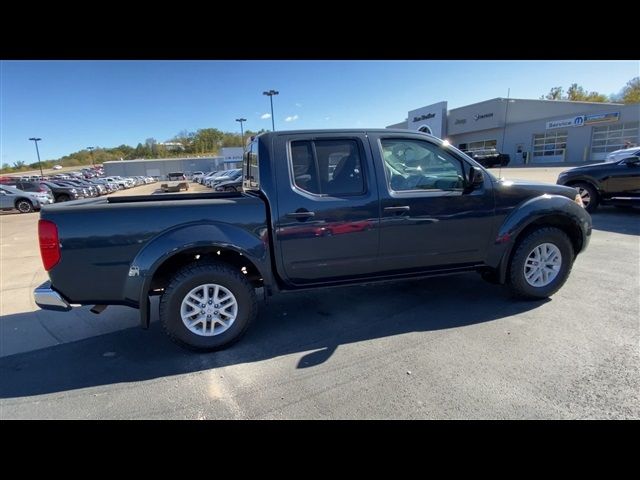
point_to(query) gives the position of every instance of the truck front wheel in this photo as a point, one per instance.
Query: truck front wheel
(207, 306)
(541, 263)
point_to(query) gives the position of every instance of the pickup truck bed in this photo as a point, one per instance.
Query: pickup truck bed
(106, 257)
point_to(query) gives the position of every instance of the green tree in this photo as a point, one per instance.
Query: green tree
(18, 165)
(140, 151)
(185, 138)
(575, 93)
(631, 91)
(208, 140)
(554, 94)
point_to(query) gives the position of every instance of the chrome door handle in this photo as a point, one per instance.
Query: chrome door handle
(305, 214)
(402, 208)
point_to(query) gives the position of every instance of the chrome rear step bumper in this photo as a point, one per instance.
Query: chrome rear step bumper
(48, 299)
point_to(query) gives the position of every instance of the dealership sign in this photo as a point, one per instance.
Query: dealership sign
(479, 116)
(582, 120)
(567, 122)
(232, 154)
(602, 117)
(424, 117)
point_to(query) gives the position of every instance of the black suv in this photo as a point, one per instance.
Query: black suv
(615, 183)
(490, 158)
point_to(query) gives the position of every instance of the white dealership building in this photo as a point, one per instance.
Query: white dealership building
(532, 131)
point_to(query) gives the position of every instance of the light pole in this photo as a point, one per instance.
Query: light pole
(91, 153)
(36, 140)
(241, 130)
(270, 94)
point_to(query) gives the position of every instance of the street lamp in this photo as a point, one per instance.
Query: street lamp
(241, 130)
(91, 153)
(36, 140)
(270, 94)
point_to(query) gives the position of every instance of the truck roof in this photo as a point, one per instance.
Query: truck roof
(341, 130)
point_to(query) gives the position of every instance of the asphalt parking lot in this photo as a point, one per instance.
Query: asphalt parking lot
(449, 347)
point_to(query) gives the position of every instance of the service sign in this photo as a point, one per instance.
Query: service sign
(567, 122)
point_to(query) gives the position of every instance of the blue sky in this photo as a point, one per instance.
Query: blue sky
(75, 104)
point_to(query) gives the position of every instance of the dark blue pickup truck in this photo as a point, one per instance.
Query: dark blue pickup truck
(317, 209)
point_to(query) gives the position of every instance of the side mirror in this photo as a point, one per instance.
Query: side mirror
(632, 161)
(476, 177)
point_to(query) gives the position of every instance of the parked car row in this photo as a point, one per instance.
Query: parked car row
(27, 194)
(221, 181)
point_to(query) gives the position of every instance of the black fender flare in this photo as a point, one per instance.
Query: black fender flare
(185, 237)
(529, 212)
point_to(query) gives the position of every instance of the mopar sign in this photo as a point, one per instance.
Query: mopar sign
(568, 122)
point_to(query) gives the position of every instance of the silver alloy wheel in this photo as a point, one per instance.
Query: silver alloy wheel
(542, 265)
(209, 310)
(24, 206)
(586, 197)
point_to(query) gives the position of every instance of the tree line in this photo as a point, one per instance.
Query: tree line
(203, 142)
(630, 93)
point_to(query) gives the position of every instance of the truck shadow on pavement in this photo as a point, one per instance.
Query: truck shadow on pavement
(309, 326)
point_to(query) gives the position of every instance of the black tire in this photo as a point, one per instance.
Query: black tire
(594, 198)
(63, 198)
(230, 189)
(24, 206)
(189, 278)
(516, 279)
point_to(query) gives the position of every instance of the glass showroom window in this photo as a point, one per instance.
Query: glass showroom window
(608, 138)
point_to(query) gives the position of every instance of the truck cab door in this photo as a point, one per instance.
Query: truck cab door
(430, 218)
(326, 217)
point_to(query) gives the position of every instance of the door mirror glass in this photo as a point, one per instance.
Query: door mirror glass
(476, 177)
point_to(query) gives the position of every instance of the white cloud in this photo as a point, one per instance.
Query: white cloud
(291, 118)
(264, 116)
(298, 105)
(327, 118)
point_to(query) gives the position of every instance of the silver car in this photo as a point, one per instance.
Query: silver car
(24, 202)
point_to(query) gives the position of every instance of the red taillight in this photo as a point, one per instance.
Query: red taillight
(49, 244)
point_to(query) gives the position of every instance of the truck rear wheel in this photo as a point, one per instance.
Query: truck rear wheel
(207, 306)
(541, 263)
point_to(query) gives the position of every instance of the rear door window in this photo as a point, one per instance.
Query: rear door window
(327, 167)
